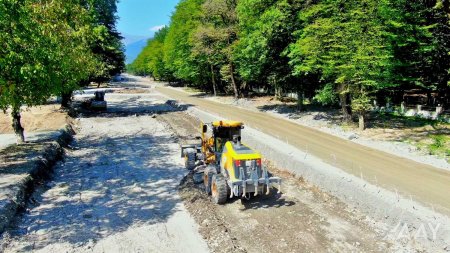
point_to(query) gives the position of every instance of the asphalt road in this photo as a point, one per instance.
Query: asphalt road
(424, 183)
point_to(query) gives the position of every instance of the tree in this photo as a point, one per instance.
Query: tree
(178, 44)
(207, 45)
(347, 43)
(421, 45)
(107, 45)
(76, 62)
(42, 45)
(151, 59)
(24, 77)
(220, 18)
(266, 30)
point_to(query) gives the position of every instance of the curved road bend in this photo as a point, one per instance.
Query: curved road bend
(425, 183)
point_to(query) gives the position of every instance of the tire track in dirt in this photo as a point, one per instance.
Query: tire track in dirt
(302, 219)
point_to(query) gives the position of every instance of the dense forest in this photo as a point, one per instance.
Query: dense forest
(333, 52)
(51, 48)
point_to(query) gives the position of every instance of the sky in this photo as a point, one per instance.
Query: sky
(141, 18)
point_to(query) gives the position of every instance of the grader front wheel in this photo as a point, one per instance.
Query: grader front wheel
(219, 189)
(189, 158)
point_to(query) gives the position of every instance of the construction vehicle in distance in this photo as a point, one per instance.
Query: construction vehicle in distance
(97, 103)
(227, 167)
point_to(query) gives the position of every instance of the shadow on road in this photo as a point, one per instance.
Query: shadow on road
(106, 186)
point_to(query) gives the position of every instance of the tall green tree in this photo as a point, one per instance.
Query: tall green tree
(347, 43)
(108, 45)
(266, 30)
(207, 44)
(151, 59)
(178, 44)
(42, 44)
(421, 44)
(220, 21)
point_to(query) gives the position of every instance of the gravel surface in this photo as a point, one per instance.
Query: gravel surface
(115, 192)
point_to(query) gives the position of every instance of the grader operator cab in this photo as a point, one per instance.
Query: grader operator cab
(227, 167)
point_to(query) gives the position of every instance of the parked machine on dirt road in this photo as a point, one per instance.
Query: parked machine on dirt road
(227, 167)
(97, 103)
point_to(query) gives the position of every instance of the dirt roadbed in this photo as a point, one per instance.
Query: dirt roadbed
(302, 219)
(122, 188)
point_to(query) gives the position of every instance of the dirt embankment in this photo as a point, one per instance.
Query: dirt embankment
(302, 219)
(23, 168)
(36, 119)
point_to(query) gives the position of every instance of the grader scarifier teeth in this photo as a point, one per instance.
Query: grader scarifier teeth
(264, 182)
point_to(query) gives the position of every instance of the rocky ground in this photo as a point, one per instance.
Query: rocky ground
(116, 190)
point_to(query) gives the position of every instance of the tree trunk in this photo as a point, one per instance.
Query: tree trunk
(362, 121)
(235, 89)
(345, 107)
(278, 90)
(66, 98)
(299, 101)
(213, 77)
(17, 126)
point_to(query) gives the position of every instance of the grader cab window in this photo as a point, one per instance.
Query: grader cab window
(224, 134)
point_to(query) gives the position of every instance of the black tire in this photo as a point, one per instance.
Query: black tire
(219, 189)
(189, 158)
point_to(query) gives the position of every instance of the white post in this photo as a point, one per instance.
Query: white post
(439, 110)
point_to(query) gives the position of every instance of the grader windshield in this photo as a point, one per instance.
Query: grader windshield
(224, 131)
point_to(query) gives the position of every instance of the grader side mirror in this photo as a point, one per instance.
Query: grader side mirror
(205, 128)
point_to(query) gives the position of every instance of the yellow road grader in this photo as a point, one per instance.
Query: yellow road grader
(227, 167)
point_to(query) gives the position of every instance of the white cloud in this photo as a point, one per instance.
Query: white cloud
(157, 28)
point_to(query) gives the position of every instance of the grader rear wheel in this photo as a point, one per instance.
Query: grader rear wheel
(219, 189)
(207, 182)
(207, 178)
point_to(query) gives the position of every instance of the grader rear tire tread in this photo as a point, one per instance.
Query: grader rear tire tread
(219, 189)
(207, 182)
(189, 158)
